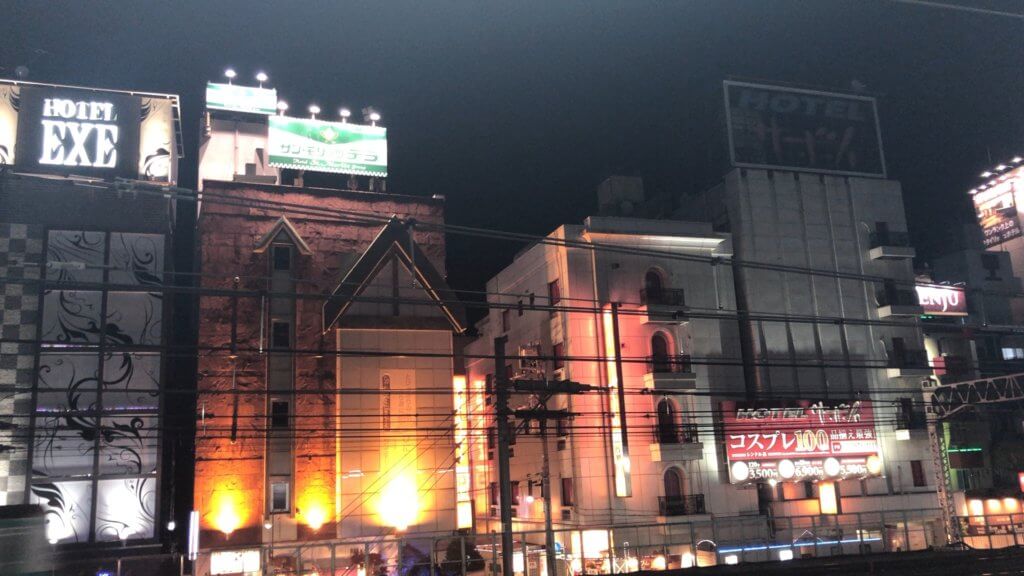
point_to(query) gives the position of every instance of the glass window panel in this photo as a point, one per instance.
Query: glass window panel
(71, 316)
(136, 259)
(125, 509)
(128, 444)
(67, 507)
(67, 382)
(63, 446)
(134, 318)
(75, 256)
(131, 381)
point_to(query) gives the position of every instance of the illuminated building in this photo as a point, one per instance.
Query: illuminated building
(86, 260)
(326, 410)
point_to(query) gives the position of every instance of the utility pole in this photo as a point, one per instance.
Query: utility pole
(501, 389)
(545, 486)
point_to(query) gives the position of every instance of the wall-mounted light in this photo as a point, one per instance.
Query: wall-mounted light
(282, 107)
(230, 74)
(344, 113)
(313, 111)
(261, 77)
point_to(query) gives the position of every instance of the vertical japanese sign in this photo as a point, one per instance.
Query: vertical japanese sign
(620, 453)
(398, 419)
(806, 441)
(321, 146)
(808, 130)
(463, 501)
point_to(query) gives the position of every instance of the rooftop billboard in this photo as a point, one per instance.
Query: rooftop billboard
(996, 207)
(800, 442)
(246, 99)
(65, 130)
(322, 146)
(939, 300)
(803, 130)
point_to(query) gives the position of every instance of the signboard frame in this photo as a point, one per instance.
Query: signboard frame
(945, 307)
(1006, 187)
(295, 159)
(236, 91)
(883, 173)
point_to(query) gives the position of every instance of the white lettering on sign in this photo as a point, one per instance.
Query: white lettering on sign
(942, 300)
(79, 133)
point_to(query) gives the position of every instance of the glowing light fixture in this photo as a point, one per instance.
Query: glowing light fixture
(398, 506)
(1011, 505)
(282, 107)
(1001, 167)
(785, 554)
(1017, 160)
(463, 506)
(903, 435)
(787, 469)
(261, 77)
(230, 74)
(623, 484)
(832, 467)
(345, 113)
(993, 506)
(732, 560)
(659, 563)
(193, 535)
(315, 516)
(976, 507)
(313, 110)
(171, 525)
(827, 498)
(374, 118)
(688, 560)
(874, 464)
(986, 174)
(740, 471)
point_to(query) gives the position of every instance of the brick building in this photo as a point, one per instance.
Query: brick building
(325, 365)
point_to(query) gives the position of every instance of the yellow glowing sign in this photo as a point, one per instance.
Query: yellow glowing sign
(620, 455)
(462, 477)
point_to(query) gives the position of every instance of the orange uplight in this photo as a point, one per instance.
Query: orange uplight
(314, 515)
(993, 506)
(620, 457)
(827, 498)
(227, 511)
(1020, 480)
(976, 507)
(1011, 505)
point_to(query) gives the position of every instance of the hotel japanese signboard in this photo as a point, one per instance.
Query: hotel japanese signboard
(807, 130)
(996, 207)
(800, 442)
(322, 146)
(939, 300)
(63, 130)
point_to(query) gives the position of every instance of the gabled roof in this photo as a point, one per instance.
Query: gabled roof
(285, 225)
(394, 240)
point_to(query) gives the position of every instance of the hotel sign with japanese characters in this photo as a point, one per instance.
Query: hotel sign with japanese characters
(805, 441)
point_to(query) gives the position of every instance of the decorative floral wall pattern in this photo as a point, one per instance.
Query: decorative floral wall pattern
(97, 410)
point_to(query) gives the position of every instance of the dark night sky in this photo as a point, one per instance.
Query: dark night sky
(516, 111)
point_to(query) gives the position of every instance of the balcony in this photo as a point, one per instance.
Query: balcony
(690, 505)
(951, 369)
(670, 373)
(908, 363)
(664, 305)
(897, 302)
(890, 246)
(676, 444)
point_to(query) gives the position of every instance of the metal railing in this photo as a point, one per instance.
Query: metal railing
(890, 238)
(663, 297)
(676, 434)
(914, 359)
(688, 505)
(895, 297)
(669, 364)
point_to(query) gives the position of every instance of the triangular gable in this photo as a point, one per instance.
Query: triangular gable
(285, 225)
(394, 241)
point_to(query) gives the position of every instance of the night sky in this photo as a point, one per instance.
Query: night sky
(517, 111)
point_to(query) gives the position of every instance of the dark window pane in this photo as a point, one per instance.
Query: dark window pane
(917, 469)
(280, 335)
(278, 414)
(282, 258)
(567, 492)
(558, 351)
(279, 497)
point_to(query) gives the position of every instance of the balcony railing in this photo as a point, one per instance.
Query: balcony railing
(892, 297)
(674, 297)
(914, 359)
(681, 505)
(676, 434)
(669, 364)
(879, 239)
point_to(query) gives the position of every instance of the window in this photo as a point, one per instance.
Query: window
(278, 413)
(554, 294)
(492, 497)
(567, 499)
(558, 352)
(505, 320)
(990, 262)
(917, 471)
(673, 484)
(1013, 353)
(491, 433)
(515, 491)
(667, 432)
(282, 258)
(561, 429)
(279, 497)
(280, 334)
(661, 360)
(652, 287)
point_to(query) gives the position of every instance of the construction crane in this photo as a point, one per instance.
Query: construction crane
(945, 400)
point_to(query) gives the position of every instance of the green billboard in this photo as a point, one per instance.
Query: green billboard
(322, 146)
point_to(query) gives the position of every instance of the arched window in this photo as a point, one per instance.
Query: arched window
(675, 487)
(668, 432)
(653, 285)
(661, 359)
